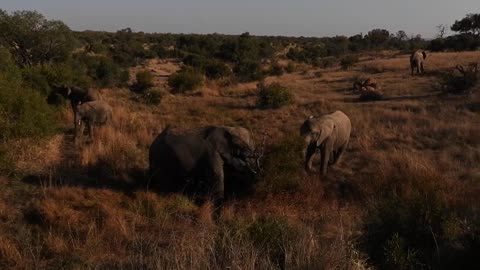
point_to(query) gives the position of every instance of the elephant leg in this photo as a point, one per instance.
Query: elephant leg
(74, 110)
(90, 130)
(412, 68)
(339, 153)
(217, 182)
(79, 129)
(421, 68)
(309, 157)
(324, 160)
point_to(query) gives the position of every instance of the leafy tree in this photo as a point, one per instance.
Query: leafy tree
(378, 37)
(469, 24)
(32, 39)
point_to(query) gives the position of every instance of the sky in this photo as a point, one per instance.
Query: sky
(259, 17)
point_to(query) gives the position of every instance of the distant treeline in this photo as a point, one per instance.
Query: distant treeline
(38, 54)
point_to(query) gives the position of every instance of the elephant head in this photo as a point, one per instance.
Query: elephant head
(315, 133)
(235, 145)
(63, 90)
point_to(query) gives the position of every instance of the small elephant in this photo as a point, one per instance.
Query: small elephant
(195, 161)
(91, 113)
(416, 61)
(77, 96)
(330, 133)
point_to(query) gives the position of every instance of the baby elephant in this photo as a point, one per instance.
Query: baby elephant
(330, 134)
(91, 113)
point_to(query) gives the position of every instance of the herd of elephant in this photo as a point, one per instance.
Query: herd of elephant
(196, 160)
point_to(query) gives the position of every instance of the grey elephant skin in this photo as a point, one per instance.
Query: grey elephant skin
(196, 161)
(329, 133)
(90, 114)
(77, 96)
(416, 61)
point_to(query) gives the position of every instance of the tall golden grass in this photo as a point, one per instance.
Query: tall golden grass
(75, 224)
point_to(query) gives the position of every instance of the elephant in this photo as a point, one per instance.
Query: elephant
(196, 161)
(91, 113)
(77, 96)
(330, 133)
(416, 61)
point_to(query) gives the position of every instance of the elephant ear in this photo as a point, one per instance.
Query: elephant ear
(326, 130)
(424, 55)
(219, 139)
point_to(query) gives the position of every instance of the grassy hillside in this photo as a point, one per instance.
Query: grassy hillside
(403, 197)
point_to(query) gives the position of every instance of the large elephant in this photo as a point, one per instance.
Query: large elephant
(89, 114)
(330, 133)
(77, 96)
(195, 161)
(416, 61)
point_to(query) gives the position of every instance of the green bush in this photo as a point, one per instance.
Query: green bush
(276, 70)
(282, 166)
(23, 112)
(290, 67)
(185, 80)
(273, 96)
(464, 83)
(152, 97)
(248, 71)
(217, 70)
(348, 61)
(144, 80)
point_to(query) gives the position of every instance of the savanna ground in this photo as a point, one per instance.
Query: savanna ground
(411, 171)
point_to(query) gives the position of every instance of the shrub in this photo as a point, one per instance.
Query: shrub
(217, 70)
(144, 80)
(465, 82)
(290, 67)
(196, 61)
(348, 61)
(282, 166)
(273, 96)
(276, 70)
(248, 71)
(23, 112)
(152, 97)
(185, 80)
(413, 224)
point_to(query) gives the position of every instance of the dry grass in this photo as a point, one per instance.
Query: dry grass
(75, 225)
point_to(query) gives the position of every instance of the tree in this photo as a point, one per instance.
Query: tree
(470, 24)
(378, 37)
(441, 30)
(32, 39)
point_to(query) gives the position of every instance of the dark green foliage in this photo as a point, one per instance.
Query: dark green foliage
(464, 82)
(23, 112)
(348, 61)
(290, 67)
(185, 80)
(196, 61)
(273, 96)
(152, 97)
(248, 71)
(144, 80)
(378, 37)
(469, 24)
(282, 166)
(217, 70)
(276, 70)
(51, 41)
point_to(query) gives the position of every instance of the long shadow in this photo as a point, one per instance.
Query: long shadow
(394, 98)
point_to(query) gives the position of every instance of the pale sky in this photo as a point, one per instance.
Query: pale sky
(259, 17)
